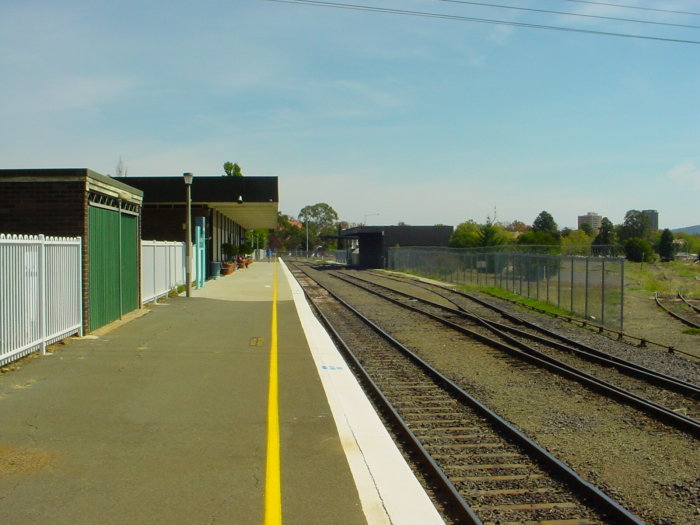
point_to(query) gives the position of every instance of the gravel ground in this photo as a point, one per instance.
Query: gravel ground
(648, 467)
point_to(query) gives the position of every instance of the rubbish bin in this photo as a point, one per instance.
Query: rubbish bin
(214, 270)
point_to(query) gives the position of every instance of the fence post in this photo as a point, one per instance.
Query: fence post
(571, 285)
(602, 299)
(622, 293)
(41, 274)
(585, 308)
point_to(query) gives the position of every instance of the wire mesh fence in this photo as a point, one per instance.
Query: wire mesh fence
(589, 287)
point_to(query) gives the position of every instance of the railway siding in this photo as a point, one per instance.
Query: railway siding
(633, 457)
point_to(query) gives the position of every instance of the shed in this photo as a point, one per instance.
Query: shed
(79, 202)
(375, 241)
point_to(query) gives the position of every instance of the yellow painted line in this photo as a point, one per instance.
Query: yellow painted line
(273, 486)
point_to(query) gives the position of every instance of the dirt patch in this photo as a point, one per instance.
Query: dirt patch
(16, 460)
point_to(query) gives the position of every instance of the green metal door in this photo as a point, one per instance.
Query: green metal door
(113, 265)
(129, 263)
(103, 266)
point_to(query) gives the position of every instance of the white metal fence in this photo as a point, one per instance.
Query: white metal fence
(40, 293)
(162, 268)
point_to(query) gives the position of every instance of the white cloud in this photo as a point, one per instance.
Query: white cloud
(686, 174)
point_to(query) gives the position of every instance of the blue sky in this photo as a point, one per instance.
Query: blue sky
(386, 118)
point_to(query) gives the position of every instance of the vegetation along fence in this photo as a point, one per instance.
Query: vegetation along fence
(590, 287)
(40, 293)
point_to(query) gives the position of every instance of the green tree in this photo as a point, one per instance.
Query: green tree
(465, 235)
(538, 238)
(320, 219)
(492, 234)
(635, 225)
(605, 238)
(576, 243)
(545, 223)
(666, 246)
(232, 170)
(586, 228)
(638, 250)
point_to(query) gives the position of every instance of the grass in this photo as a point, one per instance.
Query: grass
(669, 277)
(494, 291)
(692, 331)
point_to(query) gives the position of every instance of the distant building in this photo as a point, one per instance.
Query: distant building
(591, 218)
(653, 217)
(374, 241)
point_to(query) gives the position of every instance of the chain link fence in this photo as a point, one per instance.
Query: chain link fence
(589, 287)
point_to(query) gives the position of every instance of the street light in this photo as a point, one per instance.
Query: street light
(188, 234)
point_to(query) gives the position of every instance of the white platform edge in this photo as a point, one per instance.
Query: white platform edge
(389, 491)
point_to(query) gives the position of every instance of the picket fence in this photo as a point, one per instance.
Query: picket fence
(162, 268)
(40, 293)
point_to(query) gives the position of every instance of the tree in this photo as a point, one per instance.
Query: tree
(636, 225)
(492, 234)
(545, 223)
(586, 228)
(473, 235)
(638, 250)
(232, 170)
(666, 246)
(288, 235)
(576, 243)
(320, 219)
(538, 238)
(518, 226)
(605, 237)
(466, 235)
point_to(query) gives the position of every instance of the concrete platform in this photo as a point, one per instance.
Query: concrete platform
(165, 419)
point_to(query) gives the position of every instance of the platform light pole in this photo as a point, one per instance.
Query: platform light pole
(188, 234)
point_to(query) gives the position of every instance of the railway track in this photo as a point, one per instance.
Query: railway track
(663, 397)
(488, 471)
(680, 308)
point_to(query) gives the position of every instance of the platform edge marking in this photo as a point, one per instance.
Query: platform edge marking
(273, 486)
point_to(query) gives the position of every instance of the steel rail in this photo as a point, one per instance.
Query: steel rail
(459, 506)
(674, 314)
(621, 336)
(682, 298)
(580, 349)
(598, 497)
(531, 355)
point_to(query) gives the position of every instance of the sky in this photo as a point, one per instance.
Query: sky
(386, 117)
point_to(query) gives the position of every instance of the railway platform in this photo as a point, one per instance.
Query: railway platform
(232, 406)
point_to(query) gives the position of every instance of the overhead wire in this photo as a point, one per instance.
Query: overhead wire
(623, 6)
(566, 13)
(443, 16)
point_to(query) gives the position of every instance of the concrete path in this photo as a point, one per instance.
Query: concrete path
(163, 420)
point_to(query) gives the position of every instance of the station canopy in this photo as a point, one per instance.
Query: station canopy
(251, 202)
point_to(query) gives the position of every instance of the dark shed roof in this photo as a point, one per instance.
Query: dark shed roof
(251, 202)
(405, 235)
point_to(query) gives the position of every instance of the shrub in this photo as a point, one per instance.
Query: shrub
(638, 250)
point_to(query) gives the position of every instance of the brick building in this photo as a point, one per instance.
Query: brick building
(104, 212)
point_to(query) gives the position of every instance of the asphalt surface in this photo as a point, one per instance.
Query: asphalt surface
(163, 420)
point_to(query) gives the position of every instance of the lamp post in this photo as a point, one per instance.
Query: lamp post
(188, 234)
